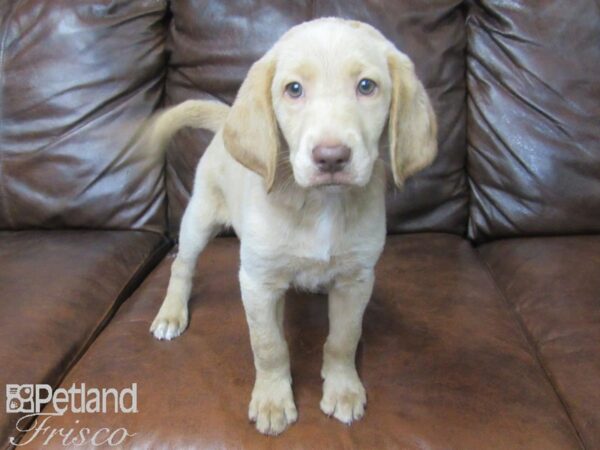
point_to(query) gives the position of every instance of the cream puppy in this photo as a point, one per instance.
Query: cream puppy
(294, 167)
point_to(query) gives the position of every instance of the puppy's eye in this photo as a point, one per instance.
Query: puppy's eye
(366, 86)
(294, 89)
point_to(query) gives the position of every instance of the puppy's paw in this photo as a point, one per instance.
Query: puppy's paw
(170, 322)
(272, 406)
(344, 396)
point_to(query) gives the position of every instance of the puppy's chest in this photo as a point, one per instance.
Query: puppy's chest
(319, 251)
(310, 250)
(316, 271)
(318, 237)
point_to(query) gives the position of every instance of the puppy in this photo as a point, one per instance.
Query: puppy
(294, 167)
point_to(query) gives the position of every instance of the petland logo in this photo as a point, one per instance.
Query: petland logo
(30, 399)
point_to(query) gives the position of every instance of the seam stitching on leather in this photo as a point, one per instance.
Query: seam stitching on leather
(149, 262)
(531, 342)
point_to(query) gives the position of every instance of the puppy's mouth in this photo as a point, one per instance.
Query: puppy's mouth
(331, 179)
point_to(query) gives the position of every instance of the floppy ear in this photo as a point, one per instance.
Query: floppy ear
(412, 124)
(250, 132)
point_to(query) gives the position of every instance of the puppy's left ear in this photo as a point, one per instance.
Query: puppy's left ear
(412, 123)
(250, 133)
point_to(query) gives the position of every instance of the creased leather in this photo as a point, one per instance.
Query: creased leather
(77, 79)
(534, 117)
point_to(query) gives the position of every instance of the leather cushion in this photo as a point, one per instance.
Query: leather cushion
(58, 288)
(77, 79)
(443, 360)
(554, 285)
(534, 114)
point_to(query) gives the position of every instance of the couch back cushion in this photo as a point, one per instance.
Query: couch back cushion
(76, 81)
(212, 45)
(534, 117)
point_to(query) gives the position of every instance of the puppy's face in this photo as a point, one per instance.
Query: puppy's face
(331, 94)
(322, 97)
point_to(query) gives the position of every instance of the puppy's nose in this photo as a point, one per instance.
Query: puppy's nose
(331, 158)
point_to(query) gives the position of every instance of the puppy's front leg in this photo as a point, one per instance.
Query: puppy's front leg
(272, 404)
(197, 228)
(344, 396)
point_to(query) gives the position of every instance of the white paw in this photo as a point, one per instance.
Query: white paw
(344, 396)
(272, 406)
(170, 322)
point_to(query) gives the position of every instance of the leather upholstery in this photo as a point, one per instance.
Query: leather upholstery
(534, 114)
(494, 347)
(212, 45)
(58, 289)
(554, 284)
(443, 361)
(75, 76)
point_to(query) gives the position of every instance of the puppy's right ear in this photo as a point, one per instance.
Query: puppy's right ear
(250, 133)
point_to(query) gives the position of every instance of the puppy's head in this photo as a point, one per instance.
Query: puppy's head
(322, 97)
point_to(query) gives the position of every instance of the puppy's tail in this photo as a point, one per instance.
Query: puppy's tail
(206, 114)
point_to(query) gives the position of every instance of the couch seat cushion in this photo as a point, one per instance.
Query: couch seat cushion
(554, 285)
(444, 362)
(57, 289)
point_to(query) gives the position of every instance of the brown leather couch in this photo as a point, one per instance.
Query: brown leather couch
(484, 327)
